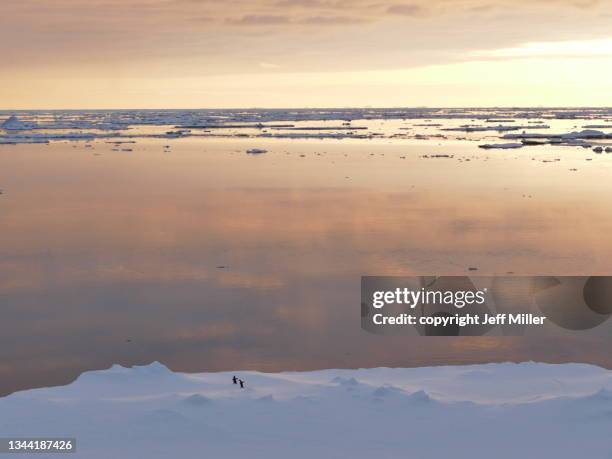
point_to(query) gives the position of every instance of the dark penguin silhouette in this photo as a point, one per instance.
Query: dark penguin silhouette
(241, 383)
(235, 380)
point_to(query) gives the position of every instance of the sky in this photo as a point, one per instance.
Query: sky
(304, 53)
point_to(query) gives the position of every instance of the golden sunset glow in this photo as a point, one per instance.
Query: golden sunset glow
(291, 53)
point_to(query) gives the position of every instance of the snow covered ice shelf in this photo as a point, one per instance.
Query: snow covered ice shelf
(506, 410)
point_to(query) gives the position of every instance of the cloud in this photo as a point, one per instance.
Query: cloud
(331, 20)
(274, 20)
(601, 48)
(260, 19)
(299, 4)
(174, 38)
(407, 9)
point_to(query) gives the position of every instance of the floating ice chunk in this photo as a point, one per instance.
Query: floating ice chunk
(15, 124)
(579, 135)
(504, 146)
(587, 134)
(177, 133)
(324, 128)
(9, 140)
(534, 142)
(573, 143)
(499, 128)
(256, 151)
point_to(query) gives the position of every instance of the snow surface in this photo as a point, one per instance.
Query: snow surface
(503, 411)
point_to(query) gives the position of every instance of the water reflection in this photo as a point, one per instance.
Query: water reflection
(207, 259)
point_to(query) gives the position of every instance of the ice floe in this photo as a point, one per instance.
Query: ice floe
(503, 146)
(480, 411)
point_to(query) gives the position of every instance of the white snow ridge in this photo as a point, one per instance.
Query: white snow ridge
(498, 411)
